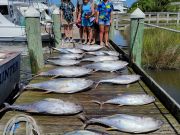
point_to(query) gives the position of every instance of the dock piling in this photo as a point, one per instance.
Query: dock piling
(136, 33)
(56, 27)
(33, 31)
(112, 29)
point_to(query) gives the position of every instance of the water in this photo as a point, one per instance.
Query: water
(169, 80)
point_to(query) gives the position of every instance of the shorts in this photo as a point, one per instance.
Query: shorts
(86, 22)
(104, 22)
(64, 22)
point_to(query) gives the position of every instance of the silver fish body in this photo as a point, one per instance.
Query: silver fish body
(107, 65)
(84, 132)
(102, 53)
(89, 47)
(131, 99)
(61, 62)
(72, 56)
(100, 58)
(49, 106)
(122, 79)
(69, 50)
(72, 71)
(129, 123)
(65, 85)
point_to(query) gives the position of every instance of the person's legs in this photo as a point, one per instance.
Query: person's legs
(101, 34)
(93, 35)
(89, 35)
(106, 34)
(66, 32)
(71, 32)
(85, 35)
(81, 33)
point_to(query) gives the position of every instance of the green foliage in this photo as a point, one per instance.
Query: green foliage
(161, 49)
(155, 6)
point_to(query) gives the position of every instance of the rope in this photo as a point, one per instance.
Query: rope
(31, 126)
(158, 108)
(164, 28)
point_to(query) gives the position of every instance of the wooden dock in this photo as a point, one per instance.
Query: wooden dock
(57, 125)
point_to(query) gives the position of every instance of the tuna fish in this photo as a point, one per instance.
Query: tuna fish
(85, 132)
(122, 79)
(107, 65)
(63, 85)
(72, 56)
(69, 50)
(128, 123)
(129, 99)
(100, 58)
(72, 71)
(89, 47)
(61, 62)
(102, 53)
(48, 106)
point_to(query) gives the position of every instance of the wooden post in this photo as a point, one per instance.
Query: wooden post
(167, 21)
(137, 30)
(157, 19)
(117, 21)
(56, 27)
(178, 18)
(33, 31)
(149, 21)
(111, 31)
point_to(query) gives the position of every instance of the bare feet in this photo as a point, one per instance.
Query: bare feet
(101, 43)
(85, 42)
(88, 43)
(93, 42)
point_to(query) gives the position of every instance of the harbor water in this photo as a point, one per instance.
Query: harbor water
(169, 80)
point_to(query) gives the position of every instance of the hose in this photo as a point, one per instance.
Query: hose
(31, 126)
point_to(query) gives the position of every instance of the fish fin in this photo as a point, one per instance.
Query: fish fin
(83, 118)
(6, 106)
(120, 105)
(97, 84)
(111, 128)
(47, 92)
(32, 111)
(54, 77)
(98, 102)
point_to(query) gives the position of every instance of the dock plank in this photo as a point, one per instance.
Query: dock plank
(57, 125)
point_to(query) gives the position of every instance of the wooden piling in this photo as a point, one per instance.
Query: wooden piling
(33, 31)
(56, 27)
(137, 30)
(112, 29)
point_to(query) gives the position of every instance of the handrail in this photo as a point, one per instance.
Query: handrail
(164, 28)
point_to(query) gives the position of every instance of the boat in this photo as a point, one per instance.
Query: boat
(9, 74)
(12, 20)
(119, 5)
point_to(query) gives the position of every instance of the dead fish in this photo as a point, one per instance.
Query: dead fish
(129, 99)
(89, 47)
(102, 53)
(128, 123)
(69, 50)
(100, 58)
(122, 79)
(85, 132)
(63, 85)
(48, 106)
(72, 56)
(61, 62)
(72, 71)
(107, 65)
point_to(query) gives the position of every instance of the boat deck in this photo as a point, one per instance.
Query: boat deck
(57, 125)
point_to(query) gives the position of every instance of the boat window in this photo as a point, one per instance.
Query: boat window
(3, 9)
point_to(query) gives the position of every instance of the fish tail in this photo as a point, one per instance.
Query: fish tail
(98, 102)
(6, 106)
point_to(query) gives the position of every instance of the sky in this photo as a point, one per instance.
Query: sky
(128, 2)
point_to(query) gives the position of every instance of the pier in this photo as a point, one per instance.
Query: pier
(58, 125)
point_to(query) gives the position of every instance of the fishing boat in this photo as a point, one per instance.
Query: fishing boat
(12, 20)
(119, 5)
(9, 74)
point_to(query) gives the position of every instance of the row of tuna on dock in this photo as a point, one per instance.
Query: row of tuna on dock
(106, 61)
